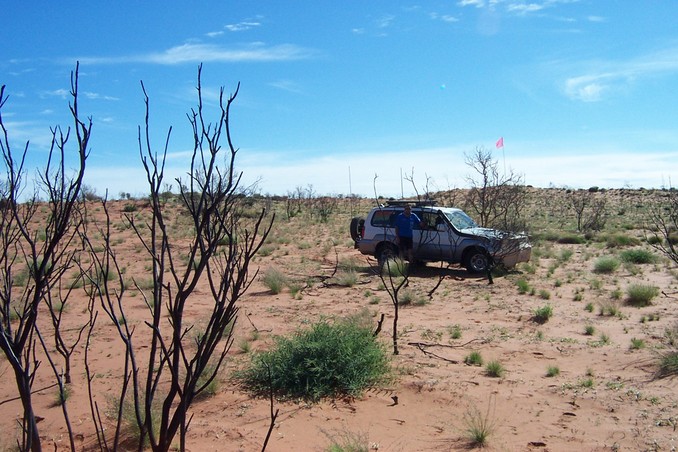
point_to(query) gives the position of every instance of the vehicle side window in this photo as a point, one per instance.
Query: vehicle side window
(383, 218)
(429, 219)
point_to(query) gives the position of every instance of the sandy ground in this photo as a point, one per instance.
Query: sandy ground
(604, 398)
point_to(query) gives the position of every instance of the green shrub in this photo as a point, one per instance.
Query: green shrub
(589, 330)
(641, 294)
(543, 314)
(395, 267)
(455, 332)
(494, 369)
(620, 240)
(637, 344)
(347, 278)
(473, 359)
(274, 280)
(571, 239)
(606, 264)
(544, 294)
(552, 371)
(638, 256)
(479, 426)
(668, 364)
(523, 286)
(328, 359)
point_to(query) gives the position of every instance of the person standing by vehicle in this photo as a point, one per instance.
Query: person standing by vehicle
(404, 225)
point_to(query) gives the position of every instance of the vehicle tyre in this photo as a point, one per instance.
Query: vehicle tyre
(477, 261)
(356, 226)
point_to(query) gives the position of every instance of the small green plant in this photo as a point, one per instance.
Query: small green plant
(587, 382)
(245, 346)
(552, 371)
(596, 284)
(408, 297)
(544, 294)
(668, 364)
(637, 344)
(348, 442)
(589, 330)
(589, 307)
(494, 369)
(543, 314)
(62, 395)
(641, 294)
(274, 280)
(606, 264)
(604, 339)
(565, 255)
(474, 359)
(523, 286)
(455, 332)
(347, 278)
(478, 426)
(395, 267)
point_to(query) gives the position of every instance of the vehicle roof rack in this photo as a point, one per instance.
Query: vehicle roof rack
(412, 202)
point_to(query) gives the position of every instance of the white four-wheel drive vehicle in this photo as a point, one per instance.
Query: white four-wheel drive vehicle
(447, 234)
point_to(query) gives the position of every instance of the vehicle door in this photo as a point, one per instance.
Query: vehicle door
(432, 241)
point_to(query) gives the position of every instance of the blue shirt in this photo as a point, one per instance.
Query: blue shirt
(404, 224)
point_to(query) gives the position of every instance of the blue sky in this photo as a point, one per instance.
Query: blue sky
(584, 92)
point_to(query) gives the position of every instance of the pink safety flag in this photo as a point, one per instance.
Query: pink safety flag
(500, 142)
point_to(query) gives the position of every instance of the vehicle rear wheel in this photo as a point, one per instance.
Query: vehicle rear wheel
(477, 261)
(356, 226)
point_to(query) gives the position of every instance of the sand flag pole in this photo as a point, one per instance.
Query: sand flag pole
(500, 144)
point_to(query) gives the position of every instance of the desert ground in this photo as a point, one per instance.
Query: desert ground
(583, 379)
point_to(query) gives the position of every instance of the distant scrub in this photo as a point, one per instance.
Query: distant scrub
(606, 264)
(572, 239)
(638, 256)
(641, 294)
(619, 240)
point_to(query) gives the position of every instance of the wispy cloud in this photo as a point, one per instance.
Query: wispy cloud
(615, 76)
(193, 53)
(242, 26)
(286, 85)
(443, 17)
(515, 6)
(476, 3)
(385, 21)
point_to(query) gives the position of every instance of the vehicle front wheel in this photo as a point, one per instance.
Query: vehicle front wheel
(477, 261)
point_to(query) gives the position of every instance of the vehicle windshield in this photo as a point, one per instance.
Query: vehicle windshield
(460, 220)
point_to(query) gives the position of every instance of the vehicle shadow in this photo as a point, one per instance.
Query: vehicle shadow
(431, 270)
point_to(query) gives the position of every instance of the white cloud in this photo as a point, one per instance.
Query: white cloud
(615, 76)
(385, 21)
(242, 26)
(523, 8)
(476, 3)
(205, 53)
(214, 34)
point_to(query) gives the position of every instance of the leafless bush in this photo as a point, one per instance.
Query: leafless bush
(46, 245)
(662, 228)
(590, 209)
(219, 251)
(496, 200)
